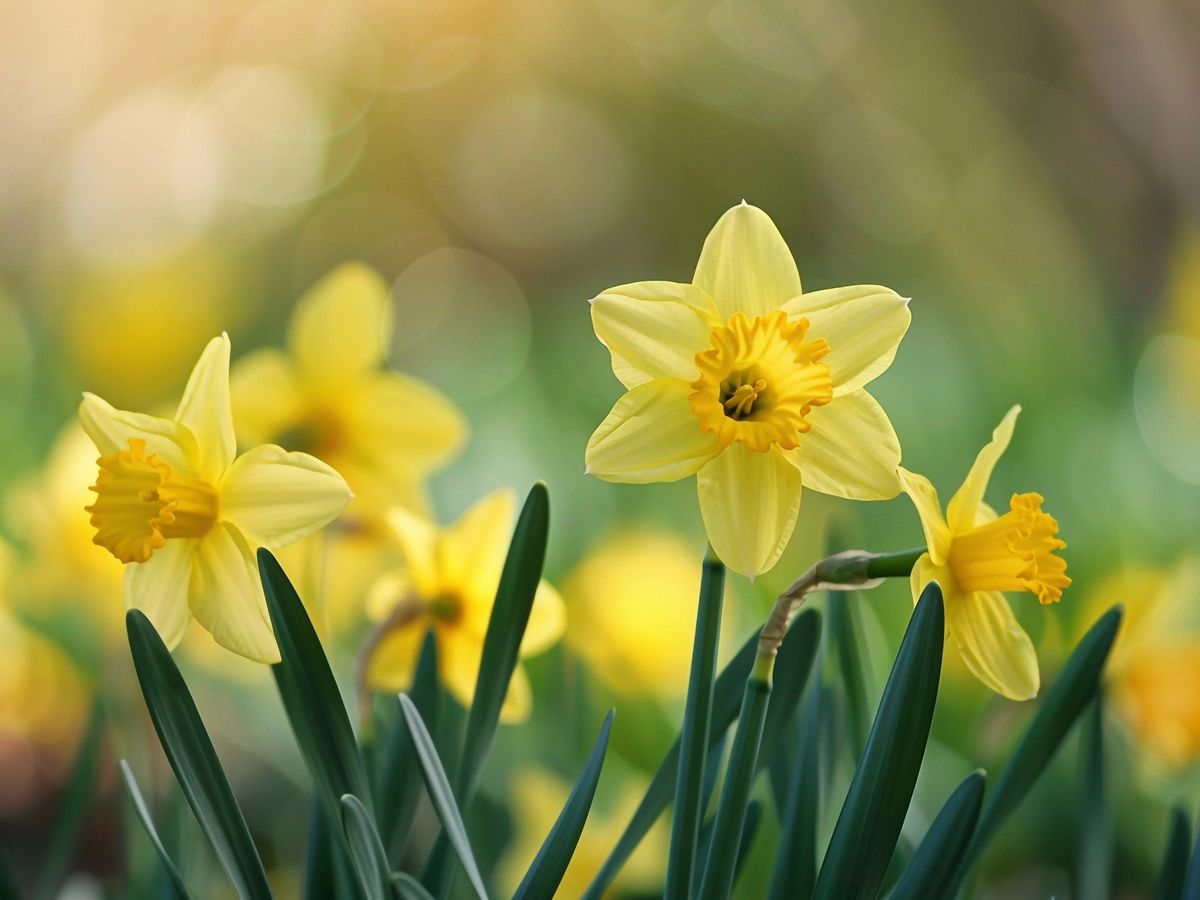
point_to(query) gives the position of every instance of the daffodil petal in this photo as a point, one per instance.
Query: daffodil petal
(654, 329)
(207, 412)
(863, 325)
(159, 588)
(393, 659)
(110, 430)
(518, 700)
(746, 265)
(267, 399)
(650, 435)
(226, 596)
(340, 325)
(547, 621)
(749, 502)
(459, 655)
(851, 451)
(471, 555)
(402, 424)
(924, 497)
(417, 539)
(276, 497)
(993, 644)
(963, 509)
(924, 571)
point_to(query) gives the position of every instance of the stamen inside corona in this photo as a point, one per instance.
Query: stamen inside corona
(759, 382)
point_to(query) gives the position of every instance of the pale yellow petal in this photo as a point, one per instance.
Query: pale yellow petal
(340, 325)
(924, 497)
(547, 621)
(417, 539)
(110, 430)
(518, 700)
(206, 410)
(746, 265)
(925, 571)
(863, 325)
(851, 451)
(471, 555)
(963, 510)
(226, 595)
(459, 655)
(650, 435)
(267, 401)
(386, 592)
(399, 424)
(654, 329)
(159, 588)
(276, 497)
(992, 643)
(749, 502)
(393, 660)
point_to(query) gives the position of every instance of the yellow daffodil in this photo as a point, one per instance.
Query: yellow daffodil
(1155, 664)
(752, 385)
(184, 513)
(975, 554)
(330, 396)
(449, 585)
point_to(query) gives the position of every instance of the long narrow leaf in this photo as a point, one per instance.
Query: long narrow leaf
(366, 849)
(174, 879)
(320, 880)
(1191, 880)
(931, 870)
(408, 888)
(795, 870)
(438, 786)
(193, 759)
(550, 864)
(1095, 855)
(1175, 860)
(310, 694)
(846, 638)
(869, 823)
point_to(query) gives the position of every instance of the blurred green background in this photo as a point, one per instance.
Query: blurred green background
(1026, 172)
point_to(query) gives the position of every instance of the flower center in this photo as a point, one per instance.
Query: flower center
(1016, 552)
(141, 502)
(446, 608)
(759, 381)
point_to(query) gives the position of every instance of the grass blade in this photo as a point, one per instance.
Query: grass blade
(193, 759)
(550, 864)
(143, 813)
(930, 872)
(1095, 854)
(694, 739)
(1175, 861)
(438, 786)
(795, 870)
(310, 694)
(868, 826)
(366, 849)
(1064, 701)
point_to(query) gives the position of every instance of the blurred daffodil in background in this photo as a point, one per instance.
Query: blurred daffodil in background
(448, 585)
(974, 554)
(751, 384)
(177, 505)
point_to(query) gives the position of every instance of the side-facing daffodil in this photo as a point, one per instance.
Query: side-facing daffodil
(449, 585)
(751, 384)
(185, 513)
(974, 554)
(330, 396)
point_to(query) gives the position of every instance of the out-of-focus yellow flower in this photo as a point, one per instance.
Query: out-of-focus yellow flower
(1153, 670)
(538, 798)
(449, 585)
(329, 396)
(175, 505)
(975, 554)
(752, 385)
(626, 600)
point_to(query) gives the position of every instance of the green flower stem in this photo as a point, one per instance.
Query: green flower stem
(894, 565)
(739, 777)
(685, 827)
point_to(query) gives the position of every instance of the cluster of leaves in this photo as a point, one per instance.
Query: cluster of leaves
(366, 793)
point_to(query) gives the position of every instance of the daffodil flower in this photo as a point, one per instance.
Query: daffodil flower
(330, 396)
(751, 384)
(974, 554)
(449, 585)
(175, 503)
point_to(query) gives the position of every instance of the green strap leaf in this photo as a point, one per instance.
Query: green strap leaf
(795, 870)
(1191, 880)
(1062, 704)
(1095, 851)
(438, 786)
(408, 888)
(193, 759)
(846, 637)
(1175, 860)
(930, 872)
(869, 824)
(791, 672)
(550, 864)
(366, 849)
(310, 694)
(320, 880)
(174, 879)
